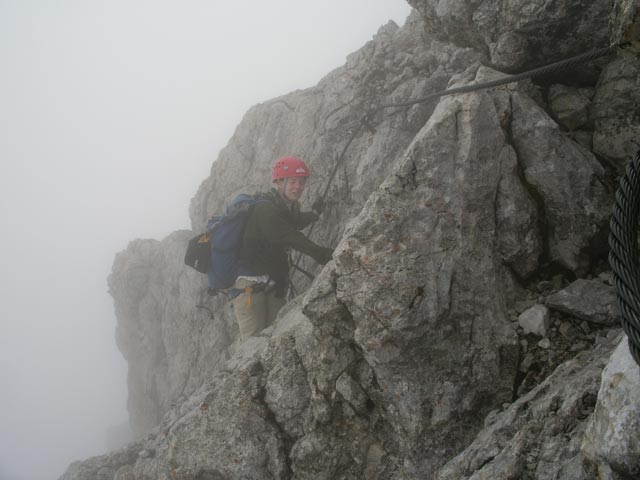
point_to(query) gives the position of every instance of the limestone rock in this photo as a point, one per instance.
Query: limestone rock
(625, 21)
(535, 320)
(545, 343)
(565, 186)
(225, 429)
(616, 111)
(569, 181)
(588, 300)
(104, 467)
(159, 304)
(569, 105)
(517, 34)
(317, 122)
(418, 273)
(611, 440)
(539, 435)
(520, 241)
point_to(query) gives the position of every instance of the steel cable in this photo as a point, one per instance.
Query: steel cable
(623, 255)
(534, 73)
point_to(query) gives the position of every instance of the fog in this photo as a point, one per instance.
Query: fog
(111, 113)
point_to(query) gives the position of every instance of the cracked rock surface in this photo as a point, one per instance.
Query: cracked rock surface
(516, 34)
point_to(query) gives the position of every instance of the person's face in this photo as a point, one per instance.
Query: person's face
(291, 188)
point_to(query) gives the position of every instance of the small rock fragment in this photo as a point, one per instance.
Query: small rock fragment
(535, 320)
(545, 343)
(588, 300)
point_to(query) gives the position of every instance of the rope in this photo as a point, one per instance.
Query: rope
(535, 73)
(623, 255)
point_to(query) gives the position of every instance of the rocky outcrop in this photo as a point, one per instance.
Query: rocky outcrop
(611, 440)
(167, 329)
(615, 112)
(575, 423)
(625, 23)
(517, 34)
(567, 179)
(538, 436)
(316, 124)
(451, 219)
(423, 297)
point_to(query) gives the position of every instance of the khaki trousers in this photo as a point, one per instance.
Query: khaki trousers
(255, 311)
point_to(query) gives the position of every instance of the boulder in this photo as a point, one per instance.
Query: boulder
(588, 300)
(566, 184)
(535, 320)
(569, 182)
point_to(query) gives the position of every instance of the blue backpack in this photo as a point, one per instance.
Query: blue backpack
(215, 252)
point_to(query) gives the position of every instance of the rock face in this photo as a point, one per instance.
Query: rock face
(575, 203)
(570, 105)
(404, 358)
(515, 34)
(538, 436)
(169, 343)
(611, 441)
(422, 298)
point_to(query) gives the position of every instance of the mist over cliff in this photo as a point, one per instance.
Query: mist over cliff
(466, 328)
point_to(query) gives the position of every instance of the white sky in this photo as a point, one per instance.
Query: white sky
(111, 113)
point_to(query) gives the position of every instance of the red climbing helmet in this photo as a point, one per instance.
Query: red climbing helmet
(287, 167)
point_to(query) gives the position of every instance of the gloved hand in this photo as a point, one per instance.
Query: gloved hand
(309, 217)
(318, 206)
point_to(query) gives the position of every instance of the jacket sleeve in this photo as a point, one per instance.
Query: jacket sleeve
(279, 231)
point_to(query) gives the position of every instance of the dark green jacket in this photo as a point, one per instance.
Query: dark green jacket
(272, 228)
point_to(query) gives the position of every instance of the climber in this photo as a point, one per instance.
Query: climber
(273, 227)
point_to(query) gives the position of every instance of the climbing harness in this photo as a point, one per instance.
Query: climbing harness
(303, 271)
(623, 255)
(366, 120)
